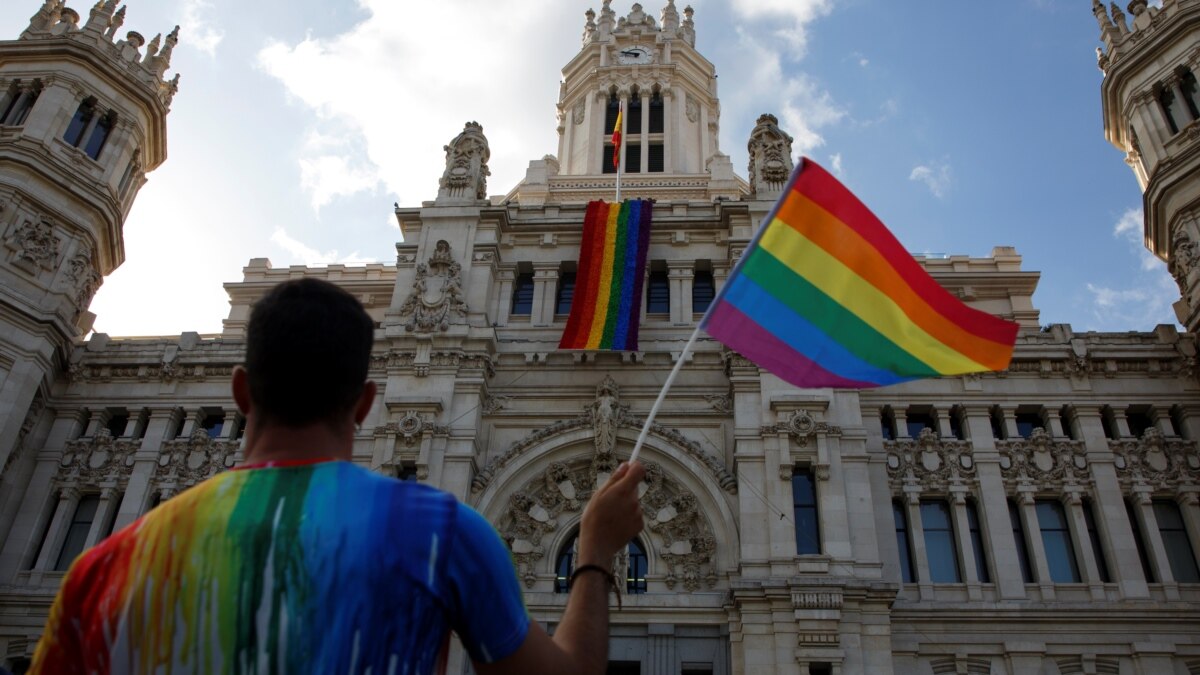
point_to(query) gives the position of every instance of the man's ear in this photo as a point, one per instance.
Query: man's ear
(365, 399)
(241, 390)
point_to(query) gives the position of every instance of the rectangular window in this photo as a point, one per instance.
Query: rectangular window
(654, 158)
(1177, 421)
(1180, 553)
(1056, 539)
(610, 114)
(606, 166)
(117, 423)
(1014, 514)
(1108, 423)
(939, 542)
(703, 291)
(658, 293)
(633, 115)
(1067, 417)
(77, 531)
(906, 564)
(79, 122)
(1139, 420)
(999, 431)
(624, 668)
(956, 423)
(804, 510)
(100, 135)
(180, 422)
(1140, 541)
(212, 423)
(919, 421)
(633, 158)
(887, 423)
(981, 568)
(656, 113)
(1094, 536)
(565, 293)
(522, 297)
(1027, 422)
(407, 472)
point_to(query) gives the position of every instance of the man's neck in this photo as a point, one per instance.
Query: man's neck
(275, 443)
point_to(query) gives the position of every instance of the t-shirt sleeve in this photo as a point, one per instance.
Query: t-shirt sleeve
(488, 607)
(59, 649)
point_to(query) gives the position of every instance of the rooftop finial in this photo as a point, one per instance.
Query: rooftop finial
(1119, 18)
(115, 23)
(589, 29)
(670, 16)
(687, 31)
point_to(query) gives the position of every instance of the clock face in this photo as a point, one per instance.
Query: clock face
(635, 55)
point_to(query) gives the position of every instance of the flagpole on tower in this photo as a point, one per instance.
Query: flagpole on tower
(618, 139)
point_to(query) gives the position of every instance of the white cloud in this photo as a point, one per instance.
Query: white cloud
(329, 176)
(1147, 301)
(303, 253)
(197, 29)
(800, 12)
(935, 175)
(1130, 227)
(835, 161)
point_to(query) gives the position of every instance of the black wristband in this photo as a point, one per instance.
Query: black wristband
(612, 580)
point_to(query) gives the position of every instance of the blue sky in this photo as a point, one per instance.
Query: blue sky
(963, 125)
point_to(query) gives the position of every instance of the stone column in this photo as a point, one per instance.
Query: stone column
(1010, 422)
(962, 537)
(17, 391)
(138, 490)
(1082, 541)
(1189, 508)
(229, 424)
(104, 512)
(504, 298)
(1036, 549)
(597, 105)
(67, 501)
(545, 285)
(993, 504)
(680, 274)
(1148, 524)
(912, 507)
(833, 510)
(661, 637)
(669, 105)
(1111, 517)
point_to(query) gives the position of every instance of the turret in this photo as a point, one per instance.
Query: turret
(1152, 114)
(82, 120)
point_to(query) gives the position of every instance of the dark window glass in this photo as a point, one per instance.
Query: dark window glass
(703, 291)
(696, 670)
(1107, 423)
(916, 422)
(1170, 108)
(212, 423)
(1139, 539)
(633, 123)
(820, 669)
(998, 430)
(623, 668)
(117, 424)
(155, 500)
(1139, 422)
(1014, 515)
(610, 114)
(939, 542)
(658, 293)
(239, 428)
(981, 568)
(1027, 422)
(654, 160)
(564, 566)
(1056, 539)
(565, 294)
(522, 298)
(79, 123)
(1190, 94)
(956, 425)
(99, 136)
(1177, 421)
(407, 472)
(656, 112)
(107, 530)
(180, 421)
(906, 564)
(635, 576)
(1067, 418)
(77, 532)
(10, 103)
(633, 158)
(1094, 536)
(607, 165)
(887, 424)
(804, 511)
(1180, 554)
(20, 101)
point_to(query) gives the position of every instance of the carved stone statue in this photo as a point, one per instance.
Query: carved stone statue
(1183, 259)
(687, 31)
(590, 31)
(770, 156)
(466, 172)
(606, 413)
(436, 292)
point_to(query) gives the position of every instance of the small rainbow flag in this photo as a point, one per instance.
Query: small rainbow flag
(825, 296)
(608, 284)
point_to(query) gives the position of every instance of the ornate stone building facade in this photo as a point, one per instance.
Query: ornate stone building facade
(1039, 520)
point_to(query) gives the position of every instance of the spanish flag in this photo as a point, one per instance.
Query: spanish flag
(616, 140)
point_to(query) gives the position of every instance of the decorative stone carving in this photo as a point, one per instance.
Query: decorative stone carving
(770, 156)
(577, 113)
(802, 426)
(1183, 259)
(409, 428)
(1156, 461)
(185, 462)
(605, 412)
(36, 244)
(31, 417)
(563, 488)
(1043, 462)
(436, 292)
(637, 19)
(669, 18)
(96, 460)
(692, 108)
(466, 165)
(83, 278)
(493, 404)
(621, 419)
(929, 462)
(590, 31)
(722, 403)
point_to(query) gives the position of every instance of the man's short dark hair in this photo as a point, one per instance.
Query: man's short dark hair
(308, 346)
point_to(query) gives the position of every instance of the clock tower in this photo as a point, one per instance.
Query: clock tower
(668, 90)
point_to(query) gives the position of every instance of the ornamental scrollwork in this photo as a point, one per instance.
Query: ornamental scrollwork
(1043, 462)
(1156, 461)
(36, 243)
(437, 292)
(549, 500)
(96, 460)
(186, 461)
(409, 428)
(930, 462)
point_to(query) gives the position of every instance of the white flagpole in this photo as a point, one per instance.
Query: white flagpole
(687, 349)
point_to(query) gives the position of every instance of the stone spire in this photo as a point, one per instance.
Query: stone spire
(590, 32)
(669, 17)
(687, 31)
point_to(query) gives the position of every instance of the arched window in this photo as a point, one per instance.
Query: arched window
(79, 123)
(18, 102)
(89, 129)
(656, 112)
(635, 572)
(1191, 93)
(633, 125)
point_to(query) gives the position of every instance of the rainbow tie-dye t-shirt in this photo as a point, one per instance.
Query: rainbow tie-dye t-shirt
(311, 568)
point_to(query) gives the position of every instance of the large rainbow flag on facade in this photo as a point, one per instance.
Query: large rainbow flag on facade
(608, 282)
(825, 296)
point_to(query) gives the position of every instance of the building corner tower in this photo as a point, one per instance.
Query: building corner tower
(82, 120)
(1150, 59)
